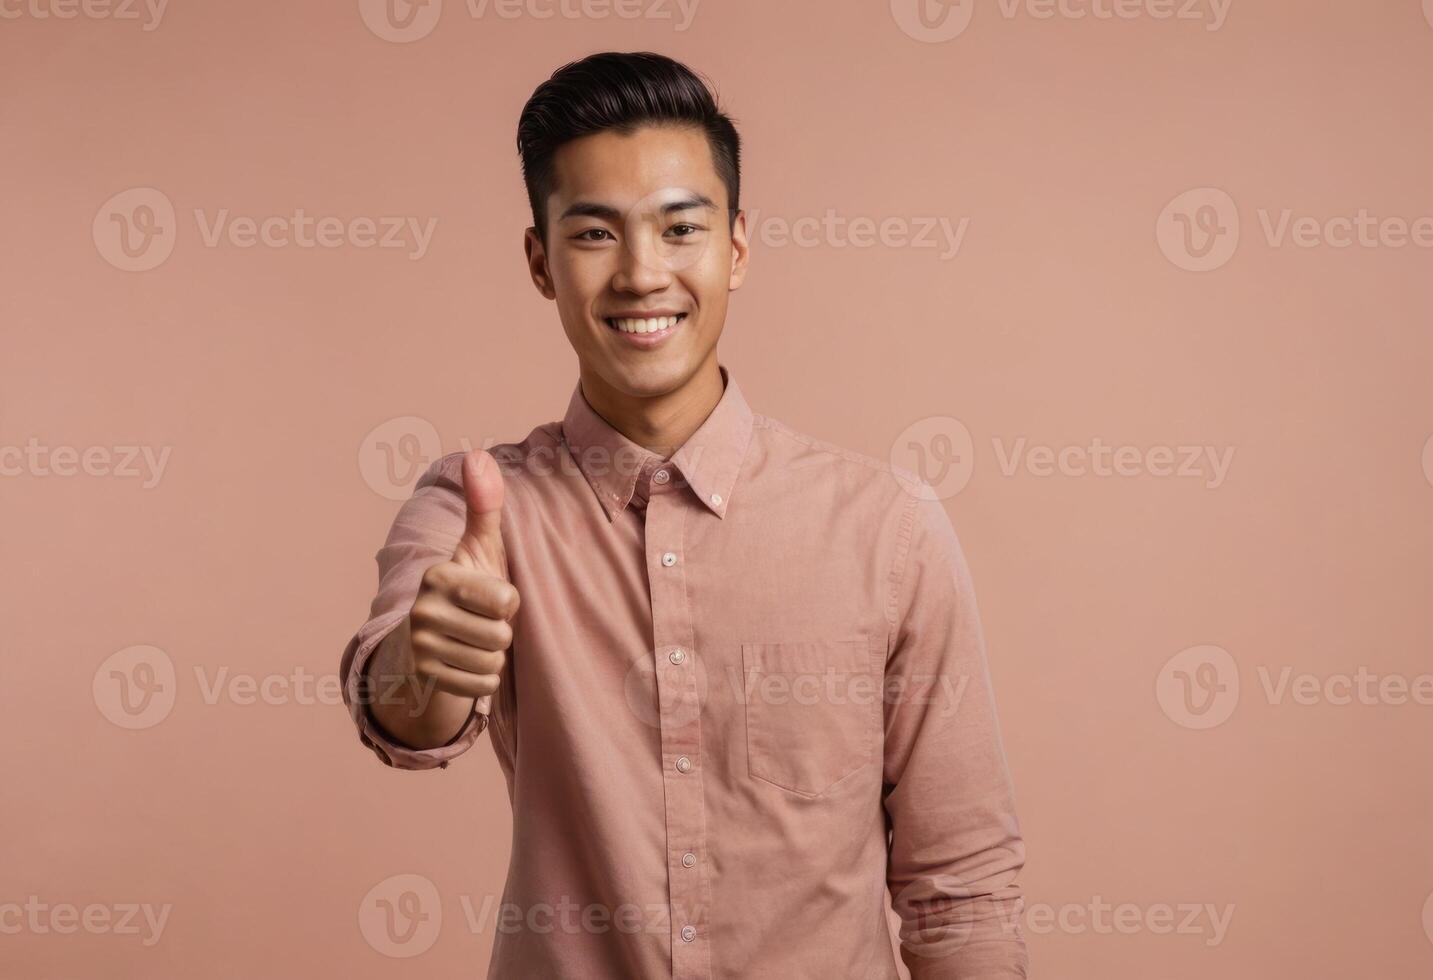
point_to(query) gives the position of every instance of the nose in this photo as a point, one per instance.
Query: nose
(642, 268)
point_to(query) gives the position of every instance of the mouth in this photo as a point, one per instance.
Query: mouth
(645, 331)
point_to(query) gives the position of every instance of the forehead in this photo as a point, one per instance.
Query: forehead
(612, 168)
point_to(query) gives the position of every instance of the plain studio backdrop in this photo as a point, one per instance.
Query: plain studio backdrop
(1144, 286)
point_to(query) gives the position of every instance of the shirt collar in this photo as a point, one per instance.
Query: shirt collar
(708, 461)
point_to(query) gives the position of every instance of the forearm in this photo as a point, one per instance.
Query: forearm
(407, 708)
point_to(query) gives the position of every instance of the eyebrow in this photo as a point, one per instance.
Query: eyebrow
(592, 209)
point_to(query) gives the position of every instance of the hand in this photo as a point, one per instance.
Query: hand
(459, 628)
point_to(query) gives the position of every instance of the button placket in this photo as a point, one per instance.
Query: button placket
(689, 890)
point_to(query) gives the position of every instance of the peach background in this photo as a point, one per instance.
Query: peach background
(264, 371)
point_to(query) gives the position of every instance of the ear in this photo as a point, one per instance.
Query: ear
(537, 263)
(740, 251)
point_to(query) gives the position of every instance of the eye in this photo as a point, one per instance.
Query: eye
(690, 229)
(582, 236)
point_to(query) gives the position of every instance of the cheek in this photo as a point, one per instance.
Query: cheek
(710, 278)
(576, 275)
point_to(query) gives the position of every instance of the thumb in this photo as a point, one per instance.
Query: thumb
(481, 546)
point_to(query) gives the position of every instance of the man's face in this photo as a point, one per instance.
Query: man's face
(637, 230)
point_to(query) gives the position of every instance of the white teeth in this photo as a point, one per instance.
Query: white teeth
(650, 325)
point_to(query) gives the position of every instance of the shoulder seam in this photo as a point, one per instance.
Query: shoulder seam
(905, 531)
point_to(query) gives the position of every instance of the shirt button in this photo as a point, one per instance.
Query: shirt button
(661, 476)
(716, 500)
(688, 859)
(689, 933)
(669, 559)
(677, 656)
(684, 764)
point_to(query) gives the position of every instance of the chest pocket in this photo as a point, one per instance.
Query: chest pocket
(812, 711)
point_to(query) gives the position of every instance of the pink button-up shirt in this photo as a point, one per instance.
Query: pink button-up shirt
(747, 693)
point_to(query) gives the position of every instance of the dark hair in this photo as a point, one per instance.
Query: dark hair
(619, 91)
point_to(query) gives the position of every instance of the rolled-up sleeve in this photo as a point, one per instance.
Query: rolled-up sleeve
(423, 534)
(956, 848)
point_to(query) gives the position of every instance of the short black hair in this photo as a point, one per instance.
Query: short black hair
(619, 91)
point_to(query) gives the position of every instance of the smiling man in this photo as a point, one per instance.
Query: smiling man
(734, 675)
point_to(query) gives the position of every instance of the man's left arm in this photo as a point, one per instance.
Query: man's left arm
(956, 848)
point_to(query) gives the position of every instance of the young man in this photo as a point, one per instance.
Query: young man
(734, 676)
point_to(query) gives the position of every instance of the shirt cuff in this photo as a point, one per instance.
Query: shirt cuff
(358, 696)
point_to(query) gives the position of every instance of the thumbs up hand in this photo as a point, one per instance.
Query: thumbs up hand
(460, 624)
(481, 546)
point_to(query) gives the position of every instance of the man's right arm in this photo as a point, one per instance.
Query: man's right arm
(419, 676)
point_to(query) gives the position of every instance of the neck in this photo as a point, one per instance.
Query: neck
(658, 423)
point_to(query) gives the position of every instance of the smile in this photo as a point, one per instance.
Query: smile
(648, 325)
